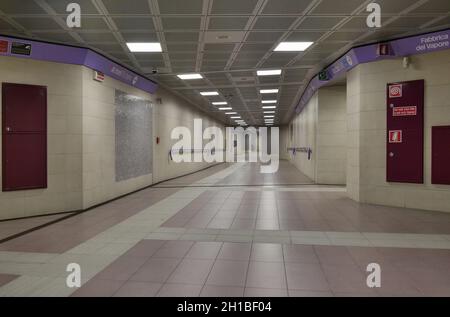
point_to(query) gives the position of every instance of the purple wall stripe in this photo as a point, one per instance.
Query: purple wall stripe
(427, 43)
(81, 56)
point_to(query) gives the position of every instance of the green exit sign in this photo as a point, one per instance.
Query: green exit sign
(323, 76)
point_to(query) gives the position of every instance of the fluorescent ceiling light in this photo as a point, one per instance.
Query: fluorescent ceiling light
(144, 47)
(269, 107)
(268, 72)
(269, 116)
(220, 103)
(269, 112)
(292, 46)
(269, 91)
(269, 101)
(226, 108)
(237, 117)
(189, 76)
(209, 93)
(229, 113)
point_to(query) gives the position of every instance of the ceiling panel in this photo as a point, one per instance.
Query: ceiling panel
(237, 37)
(180, 6)
(305, 36)
(135, 23)
(58, 37)
(233, 6)
(434, 6)
(274, 23)
(270, 37)
(334, 7)
(38, 23)
(228, 23)
(20, 7)
(181, 36)
(98, 37)
(186, 23)
(139, 37)
(60, 6)
(124, 7)
(319, 23)
(93, 23)
(286, 6)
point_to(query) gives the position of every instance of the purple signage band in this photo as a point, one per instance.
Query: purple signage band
(78, 56)
(427, 43)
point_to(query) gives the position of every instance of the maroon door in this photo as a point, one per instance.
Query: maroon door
(405, 114)
(24, 136)
(440, 155)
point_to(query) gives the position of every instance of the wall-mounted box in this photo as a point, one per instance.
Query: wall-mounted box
(440, 169)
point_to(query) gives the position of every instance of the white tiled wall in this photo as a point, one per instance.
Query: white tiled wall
(81, 138)
(331, 136)
(366, 108)
(99, 182)
(322, 127)
(64, 140)
(305, 134)
(174, 112)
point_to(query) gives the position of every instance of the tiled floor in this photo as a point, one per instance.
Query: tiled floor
(202, 236)
(14, 227)
(302, 210)
(184, 268)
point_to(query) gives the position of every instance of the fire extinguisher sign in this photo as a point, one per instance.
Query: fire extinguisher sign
(395, 136)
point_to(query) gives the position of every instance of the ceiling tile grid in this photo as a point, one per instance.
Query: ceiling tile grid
(226, 41)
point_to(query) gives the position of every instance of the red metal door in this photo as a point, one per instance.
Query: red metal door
(24, 136)
(440, 155)
(405, 120)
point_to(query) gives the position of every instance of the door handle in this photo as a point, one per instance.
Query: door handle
(8, 129)
(391, 154)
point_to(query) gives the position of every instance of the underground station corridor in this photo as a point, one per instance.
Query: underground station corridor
(204, 150)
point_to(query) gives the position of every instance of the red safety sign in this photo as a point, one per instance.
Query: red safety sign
(404, 111)
(395, 91)
(3, 46)
(396, 136)
(99, 76)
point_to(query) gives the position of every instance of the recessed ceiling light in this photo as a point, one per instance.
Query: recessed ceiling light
(269, 72)
(229, 113)
(269, 107)
(209, 93)
(269, 116)
(220, 103)
(189, 76)
(144, 47)
(269, 112)
(269, 91)
(292, 46)
(269, 101)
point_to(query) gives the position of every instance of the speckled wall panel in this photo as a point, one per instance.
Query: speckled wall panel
(133, 136)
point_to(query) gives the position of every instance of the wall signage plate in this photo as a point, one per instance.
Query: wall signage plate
(21, 48)
(99, 76)
(4, 47)
(404, 111)
(396, 136)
